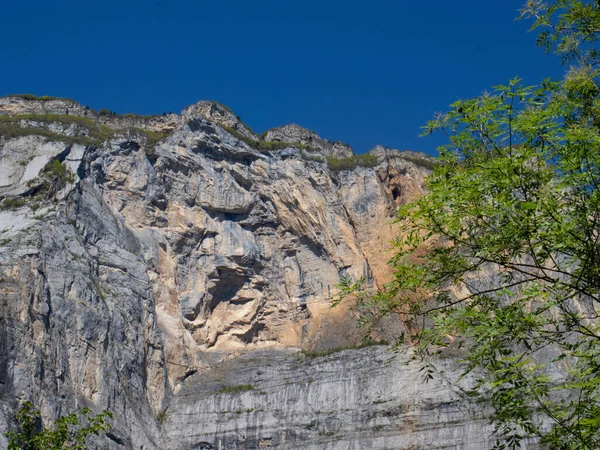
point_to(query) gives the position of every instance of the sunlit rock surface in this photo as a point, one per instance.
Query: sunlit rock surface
(175, 283)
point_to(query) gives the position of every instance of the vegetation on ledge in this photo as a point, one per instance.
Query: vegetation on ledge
(96, 134)
(429, 164)
(232, 389)
(339, 164)
(9, 131)
(364, 344)
(57, 174)
(41, 98)
(312, 156)
(262, 145)
(11, 203)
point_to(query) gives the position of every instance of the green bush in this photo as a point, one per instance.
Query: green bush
(24, 96)
(69, 431)
(232, 389)
(42, 98)
(58, 173)
(10, 127)
(162, 417)
(262, 145)
(153, 137)
(11, 203)
(312, 157)
(96, 134)
(339, 164)
(139, 116)
(364, 344)
(426, 163)
(224, 107)
(9, 131)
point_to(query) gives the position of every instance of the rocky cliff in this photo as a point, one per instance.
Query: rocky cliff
(178, 272)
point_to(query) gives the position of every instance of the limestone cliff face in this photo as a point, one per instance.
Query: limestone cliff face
(167, 270)
(297, 134)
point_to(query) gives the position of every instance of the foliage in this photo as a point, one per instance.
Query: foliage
(11, 203)
(23, 96)
(365, 343)
(262, 145)
(238, 388)
(139, 116)
(339, 164)
(151, 138)
(227, 108)
(11, 126)
(57, 174)
(317, 157)
(68, 432)
(162, 417)
(90, 132)
(570, 27)
(13, 130)
(502, 256)
(42, 98)
(423, 162)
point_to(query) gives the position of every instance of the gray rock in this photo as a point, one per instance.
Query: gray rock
(162, 274)
(296, 134)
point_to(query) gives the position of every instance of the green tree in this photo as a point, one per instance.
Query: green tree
(502, 257)
(68, 432)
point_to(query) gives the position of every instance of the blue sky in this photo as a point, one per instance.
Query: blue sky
(365, 73)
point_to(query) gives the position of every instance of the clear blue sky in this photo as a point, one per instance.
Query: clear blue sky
(361, 72)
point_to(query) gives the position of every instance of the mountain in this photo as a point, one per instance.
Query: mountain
(178, 271)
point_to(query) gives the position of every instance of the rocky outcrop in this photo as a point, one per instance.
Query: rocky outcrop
(296, 134)
(354, 399)
(220, 114)
(173, 279)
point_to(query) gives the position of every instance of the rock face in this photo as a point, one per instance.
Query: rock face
(297, 134)
(174, 280)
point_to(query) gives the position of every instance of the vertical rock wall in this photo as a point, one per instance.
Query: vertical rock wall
(174, 284)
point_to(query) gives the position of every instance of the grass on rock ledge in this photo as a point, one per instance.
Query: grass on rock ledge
(233, 389)
(96, 134)
(364, 344)
(339, 164)
(41, 98)
(261, 145)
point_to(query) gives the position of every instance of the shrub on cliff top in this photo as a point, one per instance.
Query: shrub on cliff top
(262, 145)
(41, 98)
(10, 126)
(339, 164)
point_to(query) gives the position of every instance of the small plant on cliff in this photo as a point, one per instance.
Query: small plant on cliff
(28, 124)
(262, 145)
(42, 98)
(68, 432)
(11, 203)
(331, 351)
(339, 164)
(162, 417)
(238, 388)
(57, 175)
(426, 163)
